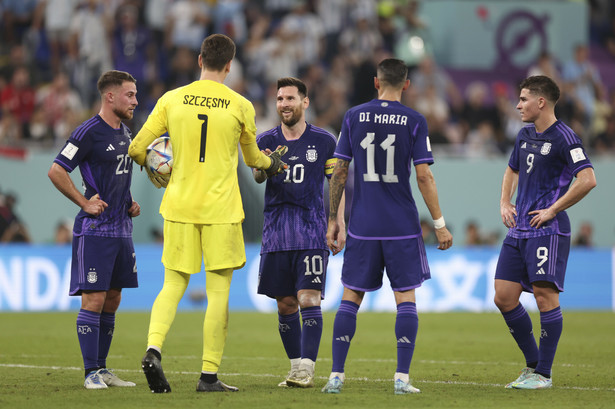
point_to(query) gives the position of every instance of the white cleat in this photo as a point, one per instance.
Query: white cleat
(112, 379)
(303, 378)
(402, 388)
(525, 372)
(534, 381)
(334, 385)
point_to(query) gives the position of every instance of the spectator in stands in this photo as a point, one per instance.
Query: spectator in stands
(412, 42)
(64, 232)
(62, 106)
(609, 40)
(478, 110)
(602, 111)
(604, 142)
(17, 101)
(360, 39)
(581, 78)
(56, 16)
(277, 56)
(230, 20)
(156, 12)
(333, 14)
(12, 229)
(132, 48)
(473, 235)
(386, 24)
(89, 48)
(482, 141)
(17, 16)
(437, 113)
(182, 69)
(156, 235)
(585, 235)
(37, 126)
(305, 33)
(187, 24)
(545, 65)
(427, 74)
(510, 121)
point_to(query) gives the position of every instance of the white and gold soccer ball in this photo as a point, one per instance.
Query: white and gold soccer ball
(159, 156)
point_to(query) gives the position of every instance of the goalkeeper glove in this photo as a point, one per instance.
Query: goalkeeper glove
(277, 165)
(157, 179)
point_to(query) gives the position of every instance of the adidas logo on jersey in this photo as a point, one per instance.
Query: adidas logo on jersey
(293, 158)
(316, 280)
(343, 338)
(404, 340)
(541, 271)
(110, 148)
(524, 145)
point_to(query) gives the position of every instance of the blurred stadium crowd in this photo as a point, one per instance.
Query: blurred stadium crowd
(53, 51)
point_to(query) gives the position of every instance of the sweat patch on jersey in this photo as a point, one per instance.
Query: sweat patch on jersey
(69, 151)
(329, 166)
(577, 155)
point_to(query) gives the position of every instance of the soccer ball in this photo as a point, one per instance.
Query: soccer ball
(159, 156)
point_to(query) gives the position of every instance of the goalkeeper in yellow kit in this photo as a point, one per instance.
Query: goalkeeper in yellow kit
(201, 207)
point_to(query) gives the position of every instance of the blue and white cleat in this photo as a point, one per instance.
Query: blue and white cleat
(334, 385)
(525, 372)
(534, 381)
(402, 388)
(94, 380)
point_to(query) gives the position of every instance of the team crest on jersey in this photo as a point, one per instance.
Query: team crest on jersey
(546, 148)
(311, 155)
(92, 276)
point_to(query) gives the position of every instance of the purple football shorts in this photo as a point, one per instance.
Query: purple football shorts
(102, 263)
(365, 260)
(284, 273)
(534, 259)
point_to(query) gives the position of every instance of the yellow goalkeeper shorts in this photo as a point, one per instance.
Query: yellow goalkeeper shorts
(219, 246)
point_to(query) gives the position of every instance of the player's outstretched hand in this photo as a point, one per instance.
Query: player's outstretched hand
(157, 179)
(445, 238)
(277, 165)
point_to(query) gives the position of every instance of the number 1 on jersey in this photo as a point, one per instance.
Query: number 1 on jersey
(203, 117)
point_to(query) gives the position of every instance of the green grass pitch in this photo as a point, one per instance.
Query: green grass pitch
(462, 360)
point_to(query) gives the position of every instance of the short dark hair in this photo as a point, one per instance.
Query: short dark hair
(393, 72)
(293, 82)
(216, 51)
(113, 78)
(543, 86)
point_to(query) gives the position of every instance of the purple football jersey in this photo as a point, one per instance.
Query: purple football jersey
(294, 209)
(383, 138)
(546, 163)
(101, 152)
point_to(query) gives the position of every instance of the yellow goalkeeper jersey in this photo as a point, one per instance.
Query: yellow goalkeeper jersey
(206, 121)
